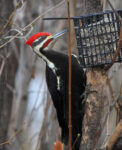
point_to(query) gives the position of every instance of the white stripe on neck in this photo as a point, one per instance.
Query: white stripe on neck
(49, 63)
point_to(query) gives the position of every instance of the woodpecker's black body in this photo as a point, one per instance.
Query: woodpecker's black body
(57, 82)
(60, 96)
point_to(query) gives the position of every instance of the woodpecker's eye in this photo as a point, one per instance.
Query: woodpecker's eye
(38, 41)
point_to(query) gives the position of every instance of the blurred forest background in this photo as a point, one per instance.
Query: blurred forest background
(27, 117)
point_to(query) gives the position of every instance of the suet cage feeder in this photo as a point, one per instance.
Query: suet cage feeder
(97, 37)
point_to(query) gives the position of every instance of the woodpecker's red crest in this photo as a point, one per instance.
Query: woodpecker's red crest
(44, 40)
(36, 36)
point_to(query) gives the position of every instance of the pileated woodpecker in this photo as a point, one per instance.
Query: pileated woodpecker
(57, 82)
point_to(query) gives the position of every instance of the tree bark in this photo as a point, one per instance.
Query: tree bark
(91, 6)
(101, 115)
(92, 125)
(7, 74)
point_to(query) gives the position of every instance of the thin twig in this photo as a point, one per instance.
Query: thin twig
(117, 99)
(10, 88)
(3, 63)
(9, 141)
(2, 67)
(43, 125)
(117, 51)
(36, 100)
(114, 137)
(116, 13)
(34, 22)
(78, 135)
(109, 110)
(11, 16)
(20, 144)
(120, 38)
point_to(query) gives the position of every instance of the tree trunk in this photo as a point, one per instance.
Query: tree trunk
(117, 4)
(7, 75)
(101, 116)
(91, 6)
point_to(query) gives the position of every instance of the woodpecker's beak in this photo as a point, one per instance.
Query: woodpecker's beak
(55, 36)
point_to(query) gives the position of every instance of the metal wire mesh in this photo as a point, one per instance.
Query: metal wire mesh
(97, 37)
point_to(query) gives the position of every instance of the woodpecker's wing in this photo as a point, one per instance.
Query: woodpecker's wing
(56, 96)
(58, 101)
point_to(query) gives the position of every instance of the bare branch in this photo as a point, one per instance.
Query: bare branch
(36, 100)
(41, 129)
(114, 137)
(118, 98)
(3, 64)
(116, 13)
(11, 16)
(34, 22)
(2, 67)
(10, 88)
(10, 140)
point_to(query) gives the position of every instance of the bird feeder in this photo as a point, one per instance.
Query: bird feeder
(97, 37)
